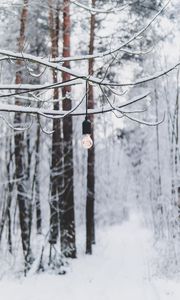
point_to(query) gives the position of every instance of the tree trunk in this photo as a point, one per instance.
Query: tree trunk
(67, 226)
(56, 163)
(35, 185)
(90, 225)
(10, 191)
(19, 150)
(6, 214)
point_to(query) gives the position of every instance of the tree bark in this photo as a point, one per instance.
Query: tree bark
(90, 224)
(36, 183)
(19, 150)
(67, 226)
(6, 211)
(56, 163)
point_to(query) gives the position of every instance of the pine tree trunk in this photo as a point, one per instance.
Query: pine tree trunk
(177, 153)
(158, 147)
(36, 187)
(6, 214)
(19, 150)
(10, 191)
(56, 163)
(90, 224)
(67, 226)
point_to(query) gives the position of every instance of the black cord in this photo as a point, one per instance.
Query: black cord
(86, 99)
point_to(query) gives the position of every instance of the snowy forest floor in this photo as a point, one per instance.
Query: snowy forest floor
(120, 269)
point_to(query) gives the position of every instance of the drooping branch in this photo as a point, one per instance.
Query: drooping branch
(126, 114)
(85, 77)
(52, 113)
(37, 87)
(94, 10)
(122, 46)
(27, 88)
(144, 122)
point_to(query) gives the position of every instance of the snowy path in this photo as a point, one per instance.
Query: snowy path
(118, 270)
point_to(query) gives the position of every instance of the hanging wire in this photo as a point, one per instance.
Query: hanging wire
(86, 100)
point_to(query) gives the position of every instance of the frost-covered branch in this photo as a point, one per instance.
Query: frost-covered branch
(99, 11)
(144, 122)
(84, 76)
(126, 114)
(27, 88)
(122, 46)
(51, 113)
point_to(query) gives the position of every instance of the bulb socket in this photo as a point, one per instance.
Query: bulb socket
(86, 127)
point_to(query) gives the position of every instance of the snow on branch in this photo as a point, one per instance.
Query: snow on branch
(60, 113)
(94, 10)
(150, 77)
(145, 122)
(25, 88)
(85, 76)
(86, 57)
(116, 109)
(121, 47)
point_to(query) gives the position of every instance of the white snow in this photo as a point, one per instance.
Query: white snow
(120, 269)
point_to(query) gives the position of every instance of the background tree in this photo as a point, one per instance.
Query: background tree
(90, 222)
(22, 199)
(68, 236)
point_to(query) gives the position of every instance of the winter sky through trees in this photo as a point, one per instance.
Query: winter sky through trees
(90, 156)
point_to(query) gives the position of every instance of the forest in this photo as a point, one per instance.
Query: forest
(90, 156)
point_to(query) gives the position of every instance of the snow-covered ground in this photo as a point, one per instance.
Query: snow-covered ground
(120, 269)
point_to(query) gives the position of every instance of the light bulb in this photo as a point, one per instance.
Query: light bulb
(87, 141)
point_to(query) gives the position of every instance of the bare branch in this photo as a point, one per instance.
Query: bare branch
(145, 122)
(32, 88)
(125, 114)
(99, 11)
(91, 79)
(16, 128)
(52, 113)
(121, 47)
